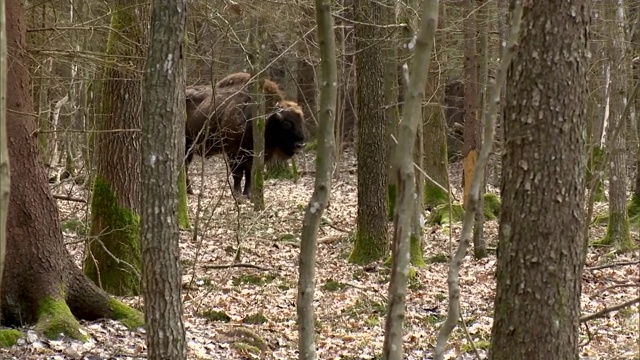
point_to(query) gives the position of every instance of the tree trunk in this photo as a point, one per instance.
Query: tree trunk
(391, 104)
(371, 241)
(635, 46)
(539, 255)
(258, 111)
(435, 131)
(618, 227)
(403, 163)
(479, 244)
(5, 173)
(41, 284)
(471, 145)
(164, 114)
(114, 259)
(322, 188)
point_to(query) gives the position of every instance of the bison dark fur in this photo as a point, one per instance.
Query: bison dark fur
(219, 121)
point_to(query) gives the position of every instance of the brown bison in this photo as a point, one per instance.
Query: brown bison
(219, 121)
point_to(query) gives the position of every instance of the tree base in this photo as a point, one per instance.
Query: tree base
(441, 214)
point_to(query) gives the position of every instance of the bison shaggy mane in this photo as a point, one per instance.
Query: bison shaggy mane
(219, 120)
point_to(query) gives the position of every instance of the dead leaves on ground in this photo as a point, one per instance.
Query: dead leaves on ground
(248, 311)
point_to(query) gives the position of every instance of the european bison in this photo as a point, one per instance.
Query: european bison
(227, 117)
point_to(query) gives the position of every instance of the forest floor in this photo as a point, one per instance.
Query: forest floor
(231, 311)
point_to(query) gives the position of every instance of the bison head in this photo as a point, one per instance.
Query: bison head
(284, 133)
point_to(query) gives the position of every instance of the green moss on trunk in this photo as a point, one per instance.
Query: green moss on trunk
(440, 215)
(118, 230)
(618, 233)
(55, 318)
(392, 194)
(367, 250)
(183, 207)
(130, 317)
(9, 337)
(417, 259)
(434, 195)
(595, 163)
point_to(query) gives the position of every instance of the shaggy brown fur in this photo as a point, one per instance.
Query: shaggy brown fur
(224, 112)
(274, 97)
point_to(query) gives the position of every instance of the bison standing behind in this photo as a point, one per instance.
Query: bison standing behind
(219, 121)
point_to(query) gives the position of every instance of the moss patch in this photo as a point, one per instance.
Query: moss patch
(183, 207)
(392, 194)
(55, 319)
(9, 337)
(434, 195)
(441, 215)
(128, 316)
(367, 250)
(119, 231)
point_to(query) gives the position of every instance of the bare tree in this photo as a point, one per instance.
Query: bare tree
(540, 254)
(416, 78)
(164, 114)
(371, 241)
(41, 284)
(114, 259)
(258, 111)
(435, 131)
(5, 172)
(618, 228)
(322, 189)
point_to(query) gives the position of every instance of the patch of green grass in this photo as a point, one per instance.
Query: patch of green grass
(333, 286)
(252, 279)
(432, 319)
(287, 238)
(441, 297)
(438, 258)
(255, 319)
(366, 307)
(480, 344)
(214, 315)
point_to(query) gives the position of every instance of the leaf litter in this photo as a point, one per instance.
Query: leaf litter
(248, 311)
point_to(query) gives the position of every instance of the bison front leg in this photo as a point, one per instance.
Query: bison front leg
(237, 171)
(247, 177)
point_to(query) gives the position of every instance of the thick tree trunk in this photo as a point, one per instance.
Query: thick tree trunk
(540, 255)
(114, 259)
(371, 241)
(435, 131)
(322, 187)
(618, 228)
(164, 114)
(41, 284)
(5, 173)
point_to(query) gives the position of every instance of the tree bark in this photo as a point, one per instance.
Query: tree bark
(435, 131)
(403, 219)
(471, 144)
(41, 284)
(5, 172)
(164, 114)
(258, 111)
(371, 241)
(322, 188)
(114, 259)
(540, 255)
(618, 228)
